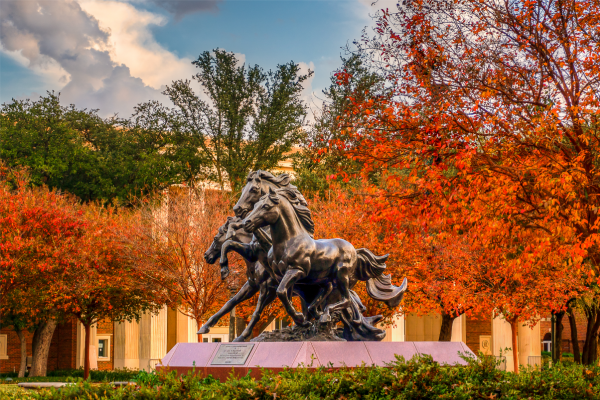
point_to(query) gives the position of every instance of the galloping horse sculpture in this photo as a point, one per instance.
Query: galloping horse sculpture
(296, 257)
(326, 292)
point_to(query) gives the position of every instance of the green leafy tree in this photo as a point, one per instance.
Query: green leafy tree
(249, 120)
(324, 143)
(79, 152)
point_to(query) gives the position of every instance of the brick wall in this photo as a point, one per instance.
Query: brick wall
(62, 348)
(567, 347)
(14, 350)
(106, 327)
(477, 326)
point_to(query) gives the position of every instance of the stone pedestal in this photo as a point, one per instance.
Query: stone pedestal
(276, 356)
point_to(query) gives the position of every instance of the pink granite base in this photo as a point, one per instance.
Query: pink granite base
(276, 356)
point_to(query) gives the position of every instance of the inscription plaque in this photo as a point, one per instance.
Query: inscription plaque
(232, 354)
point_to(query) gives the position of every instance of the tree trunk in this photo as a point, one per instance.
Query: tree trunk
(240, 325)
(86, 362)
(515, 348)
(42, 338)
(558, 335)
(574, 339)
(591, 337)
(23, 342)
(446, 329)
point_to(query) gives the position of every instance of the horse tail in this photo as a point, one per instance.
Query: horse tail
(371, 269)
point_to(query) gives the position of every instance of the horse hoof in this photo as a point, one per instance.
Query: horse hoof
(239, 339)
(203, 330)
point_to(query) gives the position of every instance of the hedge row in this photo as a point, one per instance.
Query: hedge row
(419, 378)
(64, 375)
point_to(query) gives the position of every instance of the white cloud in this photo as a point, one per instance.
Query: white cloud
(367, 8)
(99, 54)
(131, 42)
(308, 94)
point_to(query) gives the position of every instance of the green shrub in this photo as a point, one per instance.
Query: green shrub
(419, 378)
(125, 374)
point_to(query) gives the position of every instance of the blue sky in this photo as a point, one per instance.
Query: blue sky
(113, 54)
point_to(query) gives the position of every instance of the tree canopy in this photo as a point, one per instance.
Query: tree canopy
(93, 158)
(247, 119)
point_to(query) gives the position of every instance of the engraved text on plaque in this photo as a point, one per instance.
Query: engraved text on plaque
(232, 354)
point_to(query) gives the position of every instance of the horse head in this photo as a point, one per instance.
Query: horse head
(258, 184)
(265, 212)
(214, 251)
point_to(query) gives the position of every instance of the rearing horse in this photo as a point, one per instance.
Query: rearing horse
(296, 258)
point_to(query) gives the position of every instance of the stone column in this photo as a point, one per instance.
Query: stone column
(502, 339)
(177, 328)
(153, 338)
(192, 330)
(397, 331)
(424, 328)
(459, 329)
(127, 339)
(530, 343)
(80, 359)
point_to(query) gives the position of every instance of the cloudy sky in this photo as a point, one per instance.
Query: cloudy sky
(113, 54)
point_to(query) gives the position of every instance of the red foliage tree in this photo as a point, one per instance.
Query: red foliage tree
(493, 128)
(59, 258)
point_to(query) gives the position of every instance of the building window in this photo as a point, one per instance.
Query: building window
(547, 345)
(216, 340)
(547, 342)
(205, 340)
(103, 348)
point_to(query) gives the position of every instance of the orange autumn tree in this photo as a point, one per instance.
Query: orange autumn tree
(39, 232)
(167, 243)
(495, 112)
(100, 281)
(71, 260)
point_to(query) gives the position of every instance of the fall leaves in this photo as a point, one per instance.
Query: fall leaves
(490, 141)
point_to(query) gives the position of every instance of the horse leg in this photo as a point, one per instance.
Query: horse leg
(266, 297)
(323, 293)
(246, 292)
(343, 285)
(242, 249)
(283, 292)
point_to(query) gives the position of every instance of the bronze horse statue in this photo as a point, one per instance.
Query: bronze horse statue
(254, 250)
(297, 258)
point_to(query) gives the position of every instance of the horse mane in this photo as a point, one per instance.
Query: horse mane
(223, 228)
(295, 198)
(279, 181)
